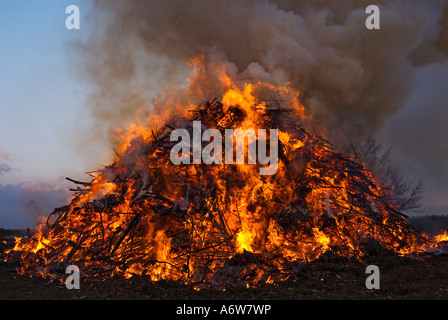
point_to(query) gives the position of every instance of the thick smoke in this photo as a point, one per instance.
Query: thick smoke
(349, 78)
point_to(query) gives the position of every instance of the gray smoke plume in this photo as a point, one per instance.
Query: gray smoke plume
(349, 77)
(351, 80)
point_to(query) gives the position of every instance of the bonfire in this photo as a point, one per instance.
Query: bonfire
(211, 225)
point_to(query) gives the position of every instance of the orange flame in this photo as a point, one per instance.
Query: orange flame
(147, 216)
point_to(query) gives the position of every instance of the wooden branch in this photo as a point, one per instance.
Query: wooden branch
(85, 184)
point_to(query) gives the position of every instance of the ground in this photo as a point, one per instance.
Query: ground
(329, 278)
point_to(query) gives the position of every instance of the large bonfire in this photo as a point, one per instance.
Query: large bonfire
(214, 224)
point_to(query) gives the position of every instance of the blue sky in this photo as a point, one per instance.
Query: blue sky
(38, 94)
(41, 102)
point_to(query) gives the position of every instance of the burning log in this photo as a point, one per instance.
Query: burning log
(198, 223)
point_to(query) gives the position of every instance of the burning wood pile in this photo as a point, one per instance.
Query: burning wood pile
(213, 225)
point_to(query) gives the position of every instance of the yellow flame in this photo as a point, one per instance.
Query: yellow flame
(441, 237)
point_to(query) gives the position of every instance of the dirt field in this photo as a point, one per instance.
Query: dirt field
(329, 278)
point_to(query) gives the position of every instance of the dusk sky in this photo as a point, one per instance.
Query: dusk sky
(45, 114)
(40, 107)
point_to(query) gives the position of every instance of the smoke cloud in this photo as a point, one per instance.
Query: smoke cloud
(348, 77)
(351, 80)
